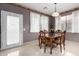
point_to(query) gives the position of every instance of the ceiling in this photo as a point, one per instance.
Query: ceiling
(48, 8)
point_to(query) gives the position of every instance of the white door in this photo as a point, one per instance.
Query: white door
(11, 29)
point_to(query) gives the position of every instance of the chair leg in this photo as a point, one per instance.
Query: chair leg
(51, 50)
(39, 40)
(64, 45)
(40, 44)
(45, 48)
(60, 48)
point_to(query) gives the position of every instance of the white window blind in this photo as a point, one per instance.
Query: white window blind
(75, 21)
(38, 22)
(44, 22)
(34, 22)
(63, 23)
(69, 22)
(56, 23)
(60, 23)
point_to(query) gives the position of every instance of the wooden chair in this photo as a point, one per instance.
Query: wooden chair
(60, 40)
(48, 43)
(41, 38)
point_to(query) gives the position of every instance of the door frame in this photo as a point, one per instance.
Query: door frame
(4, 29)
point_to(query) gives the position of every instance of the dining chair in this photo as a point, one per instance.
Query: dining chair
(60, 40)
(41, 38)
(48, 43)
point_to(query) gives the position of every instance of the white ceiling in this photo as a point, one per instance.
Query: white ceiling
(61, 7)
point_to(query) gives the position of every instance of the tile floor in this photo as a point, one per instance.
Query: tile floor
(32, 49)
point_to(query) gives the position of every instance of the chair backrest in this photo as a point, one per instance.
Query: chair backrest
(58, 31)
(45, 32)
(41, 33)
(63, 35)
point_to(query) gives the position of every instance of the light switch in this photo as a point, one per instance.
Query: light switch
(24, 29)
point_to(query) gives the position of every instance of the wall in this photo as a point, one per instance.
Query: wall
(27, 36)
(72, 37)
(52, 22)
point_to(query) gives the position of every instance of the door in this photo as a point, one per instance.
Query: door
(11, 29)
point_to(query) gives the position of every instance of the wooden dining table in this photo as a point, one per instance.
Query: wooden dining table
(52, 38)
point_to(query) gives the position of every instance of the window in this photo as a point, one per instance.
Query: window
(75, 21)
(65, 23)
(57, 23)
(34, 22)
(60, 23)
(12, 30)
(44, 22)
(38, 22)
(69, 22)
